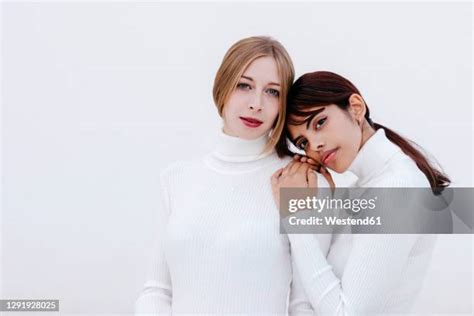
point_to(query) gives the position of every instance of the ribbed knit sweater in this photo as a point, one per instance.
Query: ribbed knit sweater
(219, 249)
(367, 274)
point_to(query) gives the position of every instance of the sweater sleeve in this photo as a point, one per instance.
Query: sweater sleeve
(373, 269)
(299, 303)
(156, 295)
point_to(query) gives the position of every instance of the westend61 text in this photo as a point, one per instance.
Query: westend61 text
(332, 220)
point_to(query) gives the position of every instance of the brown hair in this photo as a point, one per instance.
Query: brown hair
(322, 88)
(238, 58)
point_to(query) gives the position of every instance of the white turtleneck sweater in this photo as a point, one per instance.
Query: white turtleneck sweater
(367, 274)
(219, 249)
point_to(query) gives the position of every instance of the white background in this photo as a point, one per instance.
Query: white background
(98, 98)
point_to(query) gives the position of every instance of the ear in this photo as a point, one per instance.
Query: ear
(357, 107)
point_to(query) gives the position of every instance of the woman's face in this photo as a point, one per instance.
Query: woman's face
(331, 137)
(253, 106)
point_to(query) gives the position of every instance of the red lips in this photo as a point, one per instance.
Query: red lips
(328, 156)
(251, 122)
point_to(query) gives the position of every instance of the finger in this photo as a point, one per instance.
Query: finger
(303, 168)
(304, 159)
(286, 170)
(314, 165)
(276, 175)
(275, 186)
(294, 168)
(312, 179)
(296, 157)
(328, 177)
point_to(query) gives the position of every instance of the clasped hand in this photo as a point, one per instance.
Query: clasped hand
(299, 173)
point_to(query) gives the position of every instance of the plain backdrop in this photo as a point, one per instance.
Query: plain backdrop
(98, 97)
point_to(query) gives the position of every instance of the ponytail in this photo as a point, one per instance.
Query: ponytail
(438, 180)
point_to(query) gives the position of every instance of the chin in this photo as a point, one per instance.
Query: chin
(339, 169)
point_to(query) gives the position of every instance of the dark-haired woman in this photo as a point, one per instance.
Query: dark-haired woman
(363, 274)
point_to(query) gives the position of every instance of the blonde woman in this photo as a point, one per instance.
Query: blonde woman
(219, 248)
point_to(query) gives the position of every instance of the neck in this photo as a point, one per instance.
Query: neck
(373, 155)
(235, 149)
(367, 133)
(234, 155)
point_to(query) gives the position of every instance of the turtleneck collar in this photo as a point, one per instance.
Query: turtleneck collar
(235, 149)
(373, 156)
(234, 155)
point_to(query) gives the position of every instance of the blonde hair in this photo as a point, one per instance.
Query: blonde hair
(238, 58)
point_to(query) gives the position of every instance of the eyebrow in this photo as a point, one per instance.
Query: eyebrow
(311, 117)
(308, 121)
(270, 83)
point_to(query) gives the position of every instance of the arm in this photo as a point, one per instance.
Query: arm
(373, 269)
(156, 296)
(299, 303)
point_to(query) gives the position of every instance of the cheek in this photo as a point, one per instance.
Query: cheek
(350, 148)
(229, 115)
(236, 101)
(231, 107)
(272, 110)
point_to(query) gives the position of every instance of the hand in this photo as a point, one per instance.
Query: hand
(318, 167)
(296, 174)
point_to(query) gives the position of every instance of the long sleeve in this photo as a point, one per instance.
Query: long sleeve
(373, 269)
(299, 303)
(156, 296)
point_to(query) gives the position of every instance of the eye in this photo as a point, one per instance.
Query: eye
(243, 86)
(301, 144)
(320, 123)
(274, 92)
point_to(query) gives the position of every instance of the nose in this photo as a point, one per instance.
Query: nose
(256, 102)
(316, 144)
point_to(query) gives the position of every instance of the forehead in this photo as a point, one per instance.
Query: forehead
(263, 69)
(296, 130)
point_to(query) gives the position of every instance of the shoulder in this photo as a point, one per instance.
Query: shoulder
(181, 168)
(400, 171)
